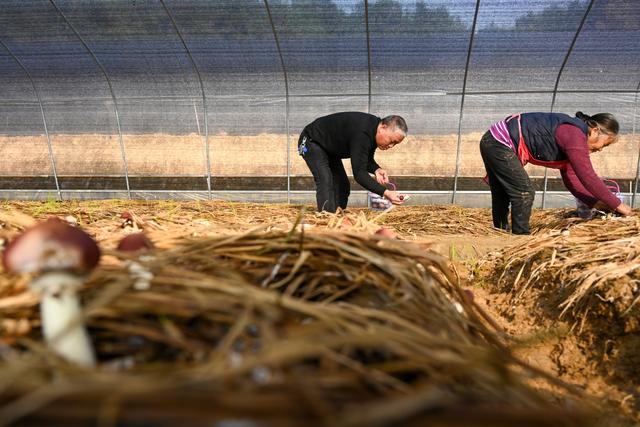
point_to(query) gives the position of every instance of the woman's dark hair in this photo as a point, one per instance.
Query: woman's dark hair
(604, 120)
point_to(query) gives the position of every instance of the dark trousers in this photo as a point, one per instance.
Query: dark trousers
(509, 183)
(332, 183)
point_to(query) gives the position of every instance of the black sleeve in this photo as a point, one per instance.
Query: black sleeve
(360, 152)
(372, 166)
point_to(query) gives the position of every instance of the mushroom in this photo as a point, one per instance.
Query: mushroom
(386, 232)
(62, 256)
(136, 243)
(129, 222)
(139, 245)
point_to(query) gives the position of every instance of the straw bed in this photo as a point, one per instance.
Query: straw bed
(165, 219)
(278, 328)
(590, 269)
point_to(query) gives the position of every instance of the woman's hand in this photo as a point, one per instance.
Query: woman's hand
(624, 209)
(382, 176)
(395, 197)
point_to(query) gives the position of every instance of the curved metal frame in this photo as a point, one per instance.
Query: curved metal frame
(366, 26)
(286, 94)
(44, 119)
(555, 88)
(113, 95)
(204, 97)
(464, 88)
(633, 132)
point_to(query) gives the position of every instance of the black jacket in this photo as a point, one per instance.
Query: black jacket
(350, 135)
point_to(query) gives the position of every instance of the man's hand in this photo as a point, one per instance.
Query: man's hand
(394, 197)
(382, 176)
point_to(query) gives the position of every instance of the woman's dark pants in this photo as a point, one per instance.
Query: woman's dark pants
(509, 183)
(332, 183)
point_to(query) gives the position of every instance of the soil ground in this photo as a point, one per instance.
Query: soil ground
(547, 343)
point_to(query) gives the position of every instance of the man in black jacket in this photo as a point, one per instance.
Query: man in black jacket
(329, 139)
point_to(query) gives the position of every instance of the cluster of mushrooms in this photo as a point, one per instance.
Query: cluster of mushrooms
(61, 256)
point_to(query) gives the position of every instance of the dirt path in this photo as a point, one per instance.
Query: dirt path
(545, 344)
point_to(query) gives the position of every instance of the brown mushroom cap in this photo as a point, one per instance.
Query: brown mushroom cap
(386, 232)
(135, 242)
(51, 245)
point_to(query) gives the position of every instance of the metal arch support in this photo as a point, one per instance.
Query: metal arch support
(113, 95)
(204, 97)
(633, 132)
(286, 94)
(555, 87)
(464, 88)
(366, 26)
(44, 119)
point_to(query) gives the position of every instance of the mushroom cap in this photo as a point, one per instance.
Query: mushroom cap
(468, 294)
(135, 242)
(51, 245)
(386, 232)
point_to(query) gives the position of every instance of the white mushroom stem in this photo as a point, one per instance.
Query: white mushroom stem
(62, 322)
(140, 274)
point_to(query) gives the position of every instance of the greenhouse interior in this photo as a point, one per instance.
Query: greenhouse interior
(206, 99)
(164, 263)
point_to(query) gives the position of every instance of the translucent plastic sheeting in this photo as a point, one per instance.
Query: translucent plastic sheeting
(84, 138)
(421, 49)
(176, 116)
(56, 59)
(232, 44)
(15, 83)
(20, 119)
(244, 115)
(430, 148)
(141, 88)
(519, 46)
(32, 148)
(606, 55)
(163, 137)
(253, 143)
(324, 46)
(137, 46)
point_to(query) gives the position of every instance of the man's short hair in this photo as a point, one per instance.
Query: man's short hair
(396, 122)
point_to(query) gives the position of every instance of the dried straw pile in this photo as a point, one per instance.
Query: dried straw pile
(588, 270)
(543, 220)
(450, 219)
(437, 220)
(276, 328)
(176, 219)
(588, 276)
